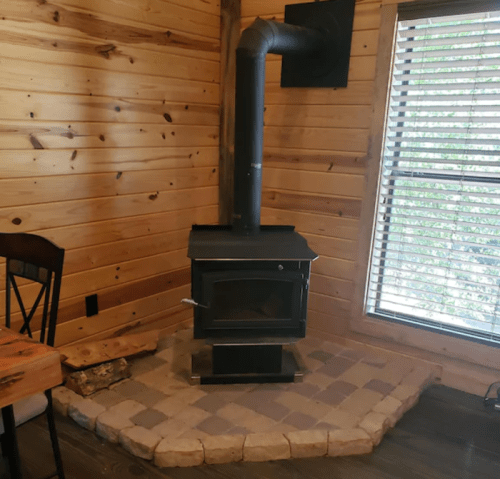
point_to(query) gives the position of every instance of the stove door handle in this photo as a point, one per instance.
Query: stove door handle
(193, 303)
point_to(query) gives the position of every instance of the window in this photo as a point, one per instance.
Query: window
(436, 251)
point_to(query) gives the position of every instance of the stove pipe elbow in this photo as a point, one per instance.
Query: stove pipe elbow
(260, 38)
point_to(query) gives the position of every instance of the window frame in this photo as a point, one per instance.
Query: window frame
(395, 331)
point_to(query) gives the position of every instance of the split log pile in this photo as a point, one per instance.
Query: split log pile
(104, 361)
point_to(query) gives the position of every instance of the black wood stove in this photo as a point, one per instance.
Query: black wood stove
(250, 282)
(251, 295)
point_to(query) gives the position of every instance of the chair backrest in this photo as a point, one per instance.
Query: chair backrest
(37, 259)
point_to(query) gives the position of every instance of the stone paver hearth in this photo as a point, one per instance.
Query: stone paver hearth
(348, 399)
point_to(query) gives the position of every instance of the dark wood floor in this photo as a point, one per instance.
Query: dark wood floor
(447, 435)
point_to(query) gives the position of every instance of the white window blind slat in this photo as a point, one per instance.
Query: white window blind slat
(412, 30)
(430, 20)
(428, 53)
(474, 118)
(437, 230)
(445, 151)
(472, 130)
(455, 75)
(440, 168)
(436, 251)
(467, 40)
(448, 86)
(472, 110)
(448, 98)
(466, 223)
(439, 215)
(433, 65)
(413, 192)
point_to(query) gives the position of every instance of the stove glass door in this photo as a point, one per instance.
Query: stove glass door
(252, 300)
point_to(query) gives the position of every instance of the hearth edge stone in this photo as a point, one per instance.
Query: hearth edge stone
(179, 453)
(223, 449)
(346, 442)
(139, 441)
(312, 443)
(62, 397)
(375, 424)
(84, 412)
(265, 447)
(392, 408)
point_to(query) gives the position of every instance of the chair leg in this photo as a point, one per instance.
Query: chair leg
(9, 441)
(53, 436)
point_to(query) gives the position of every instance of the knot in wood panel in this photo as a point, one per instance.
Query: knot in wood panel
(105, 50)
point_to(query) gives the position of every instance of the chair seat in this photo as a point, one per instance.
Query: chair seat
(27, 409)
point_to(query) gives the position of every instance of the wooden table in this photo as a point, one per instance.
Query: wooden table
(26, 367)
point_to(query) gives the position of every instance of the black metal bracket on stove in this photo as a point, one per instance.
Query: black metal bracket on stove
(328, 66)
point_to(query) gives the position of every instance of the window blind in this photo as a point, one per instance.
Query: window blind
(436, 250)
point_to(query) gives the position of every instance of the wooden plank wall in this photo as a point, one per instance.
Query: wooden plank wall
(315, 147)
(109, 126)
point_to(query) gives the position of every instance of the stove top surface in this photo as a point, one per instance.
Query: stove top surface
(273, 242)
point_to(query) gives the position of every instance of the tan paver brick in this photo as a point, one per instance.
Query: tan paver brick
(311, 363)
(282, 428)
(359, 374)
(392, 408)
(171, 406)
(408, 395)
(109, 425)
(127, 408)
(396, 370)
(298, 403)
(191, 415)
(342, 419)
(244, 417)
(420, 377)
(318, 379)
(222, 449)
(312, 443)
(194, 434)
(84, 412)
(375, 424)
(179, 453)
(266, 447)
(361, 402)
(139, 441)
(346, 442)
(332, 348)
(62, 397)
(171, 428)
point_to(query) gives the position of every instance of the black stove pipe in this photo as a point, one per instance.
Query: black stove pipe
(260, 38)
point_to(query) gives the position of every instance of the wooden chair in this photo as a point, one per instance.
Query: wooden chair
(36, 260)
